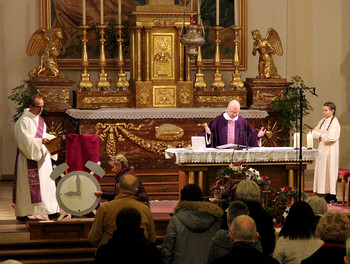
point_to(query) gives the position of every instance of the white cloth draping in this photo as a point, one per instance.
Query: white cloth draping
(158, 113)
(263, 154)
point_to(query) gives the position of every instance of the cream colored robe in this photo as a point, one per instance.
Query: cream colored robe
(327, 162)
(32, 148)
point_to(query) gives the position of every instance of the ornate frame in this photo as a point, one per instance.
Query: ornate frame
(226, 63)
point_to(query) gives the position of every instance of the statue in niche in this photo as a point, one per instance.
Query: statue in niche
(48, 45)
(267, 47)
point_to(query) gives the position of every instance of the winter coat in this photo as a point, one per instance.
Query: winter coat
(189, 232)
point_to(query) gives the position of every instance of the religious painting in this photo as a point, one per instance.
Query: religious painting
(67, 14)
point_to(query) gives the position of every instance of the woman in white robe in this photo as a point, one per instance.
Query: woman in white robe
(327, 132)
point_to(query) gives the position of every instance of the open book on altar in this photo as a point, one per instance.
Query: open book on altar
(54, 145)
(231, 146)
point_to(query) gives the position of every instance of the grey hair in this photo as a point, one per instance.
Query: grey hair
(248, 191)
(318, 204)
(235, 209)
(333, 227)
(128, 182)
(119, 159)
(243, 228)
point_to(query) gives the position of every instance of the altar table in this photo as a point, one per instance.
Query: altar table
(280, 164)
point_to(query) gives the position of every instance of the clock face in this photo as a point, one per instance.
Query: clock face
(75, 193)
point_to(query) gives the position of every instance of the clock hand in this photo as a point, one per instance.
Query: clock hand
(77, 182)
(70, 193)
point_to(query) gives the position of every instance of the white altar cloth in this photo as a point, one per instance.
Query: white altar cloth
(225, 156)
(158, 113)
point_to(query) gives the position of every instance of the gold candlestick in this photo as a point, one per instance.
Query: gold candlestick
(217, 82)
(236, 83)
(199, 83)
(122, 82)
(102, 83)
(85, 84)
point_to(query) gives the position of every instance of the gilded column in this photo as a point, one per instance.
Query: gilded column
(181, 55)
(139, 53)
(188, 68)
(132, 57)
(148, 53)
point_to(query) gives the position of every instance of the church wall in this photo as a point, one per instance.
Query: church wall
(314, 33)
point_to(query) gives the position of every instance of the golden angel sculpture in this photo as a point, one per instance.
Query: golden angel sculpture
(267, 47)
(48, 45)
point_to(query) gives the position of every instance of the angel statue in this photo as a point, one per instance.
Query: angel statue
(48, 44)
(267, 47)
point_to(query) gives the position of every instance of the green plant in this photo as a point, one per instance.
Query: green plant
(21, 95)
(288, 108)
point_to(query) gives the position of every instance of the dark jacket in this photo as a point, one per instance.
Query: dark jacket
(189, 232)
(129, 246)
(243, 252)
(264, 225)
(141, 194)
(326, 254)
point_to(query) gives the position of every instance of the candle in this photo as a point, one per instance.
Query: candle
(119, 12)
(84, 13)
(101, 12)
(199, 12)
(296, 140)
(191, 5)
(236, 6)
(217, 12)
(310, 140)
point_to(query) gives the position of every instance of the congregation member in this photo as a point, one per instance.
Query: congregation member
(34, 192)
(297, 237)
(231, 128)
(128, 244)
(318, 205)
(191, 228)
(327, 132)
(104, 222)
(120, 166)
(221, 242)
(249, 192)
(243, 235)
(333, 229)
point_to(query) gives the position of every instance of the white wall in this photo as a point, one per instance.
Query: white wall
(315, 36)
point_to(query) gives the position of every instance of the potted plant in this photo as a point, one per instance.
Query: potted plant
(288, 108)
(21, 95)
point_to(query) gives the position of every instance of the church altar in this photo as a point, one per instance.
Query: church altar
(280, 164)
(143, 135)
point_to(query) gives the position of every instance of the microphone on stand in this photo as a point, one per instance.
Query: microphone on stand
(239, 135)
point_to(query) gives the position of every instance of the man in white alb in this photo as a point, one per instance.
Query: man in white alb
(34, 193)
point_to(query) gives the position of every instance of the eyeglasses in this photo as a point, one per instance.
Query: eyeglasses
(39, 106)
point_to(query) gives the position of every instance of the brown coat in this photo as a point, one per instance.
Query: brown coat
(104, 223)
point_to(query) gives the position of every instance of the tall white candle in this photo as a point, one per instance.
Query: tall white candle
(296, 140)
(217, 12)
(101, 12)
(236, 6)
(84, 12)
(119, 12)
(199, 12)
(310, 140)
(191, 5)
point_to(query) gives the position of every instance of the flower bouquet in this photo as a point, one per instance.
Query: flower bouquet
(229, 176)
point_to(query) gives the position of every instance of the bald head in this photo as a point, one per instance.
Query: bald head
(128, 183)
(233, 108)
(243, 228)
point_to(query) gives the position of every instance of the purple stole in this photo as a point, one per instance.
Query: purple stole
(33, 171)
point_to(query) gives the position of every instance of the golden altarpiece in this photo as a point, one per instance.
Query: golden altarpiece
(160, 70)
